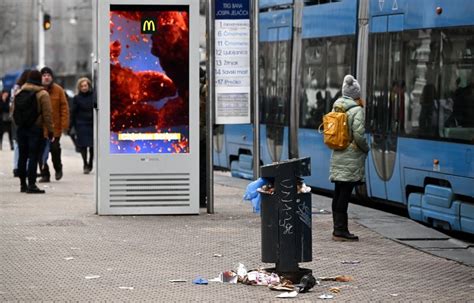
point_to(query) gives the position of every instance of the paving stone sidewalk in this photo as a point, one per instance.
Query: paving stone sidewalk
(54, 248)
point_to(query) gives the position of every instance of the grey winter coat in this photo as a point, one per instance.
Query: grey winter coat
(348, 165)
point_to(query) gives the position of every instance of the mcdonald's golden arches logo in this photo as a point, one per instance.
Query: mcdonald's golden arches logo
(148, 26)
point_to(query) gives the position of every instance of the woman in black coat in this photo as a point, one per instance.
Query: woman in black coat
(82, 119)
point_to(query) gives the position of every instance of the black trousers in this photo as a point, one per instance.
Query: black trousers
(342, 195)
(87, 162)
(29, 144)
(340, 203)
(56, 154)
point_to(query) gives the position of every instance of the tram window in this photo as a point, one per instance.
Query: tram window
(325, 62)
(422, 76)
(313, 102)
(440, 84)
(377, 94)
(275, 82)
(457, 85)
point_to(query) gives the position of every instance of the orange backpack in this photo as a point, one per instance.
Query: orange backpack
(336, 130)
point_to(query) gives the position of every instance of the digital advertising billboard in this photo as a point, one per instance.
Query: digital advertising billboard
(149, 79)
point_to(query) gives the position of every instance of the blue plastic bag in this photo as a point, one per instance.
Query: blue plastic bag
(256, 203)
(200, 281)
(252, 195)
(251, 191)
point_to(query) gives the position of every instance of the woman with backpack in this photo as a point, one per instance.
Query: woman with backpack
(348, 165)
(31, 112)
(15, 90)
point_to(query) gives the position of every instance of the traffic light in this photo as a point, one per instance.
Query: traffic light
(46, 22)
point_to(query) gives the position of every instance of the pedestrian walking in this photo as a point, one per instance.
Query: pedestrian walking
(348, 165)
(32, 113)
(15, 90)
(82, 119)
(5, 119)
(60, 115)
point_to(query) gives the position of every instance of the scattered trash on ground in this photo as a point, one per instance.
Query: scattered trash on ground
(342, 278)
(355, 262)
(227, 277)
(254, 277)
(177, 280)
(261, 277)
(241, 271)
(69, 258)
(126, 287)
(200, 281)
(325, 296)
(89, 277)
(282, 287)
(321, 212)
(292, 294)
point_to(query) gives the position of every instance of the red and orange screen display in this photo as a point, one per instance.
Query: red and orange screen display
(149, 79)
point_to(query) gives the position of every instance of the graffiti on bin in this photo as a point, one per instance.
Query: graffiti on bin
(304, 213)
(285, 223)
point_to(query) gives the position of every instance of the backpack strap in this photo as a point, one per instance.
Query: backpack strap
(319, 128)
(352, 106)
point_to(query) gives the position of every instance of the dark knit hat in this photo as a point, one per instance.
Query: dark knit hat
(47, 70)
(350, 87)
(34, 77)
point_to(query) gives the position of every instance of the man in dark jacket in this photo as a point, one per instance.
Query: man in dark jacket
(30, 137)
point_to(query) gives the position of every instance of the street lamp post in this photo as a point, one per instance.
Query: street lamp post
(40, 35)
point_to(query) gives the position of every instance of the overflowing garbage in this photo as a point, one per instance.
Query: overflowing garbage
(273, 281)
(257, 277)
(266, 186)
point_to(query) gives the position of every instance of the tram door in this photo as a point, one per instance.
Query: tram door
(385, 106)
(275, 74)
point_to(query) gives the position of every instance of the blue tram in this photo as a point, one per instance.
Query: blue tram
(415, 62)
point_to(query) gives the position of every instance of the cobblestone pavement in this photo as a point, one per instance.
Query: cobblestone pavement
(50, 243)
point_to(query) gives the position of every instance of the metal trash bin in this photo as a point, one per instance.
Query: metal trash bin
(286, 219)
